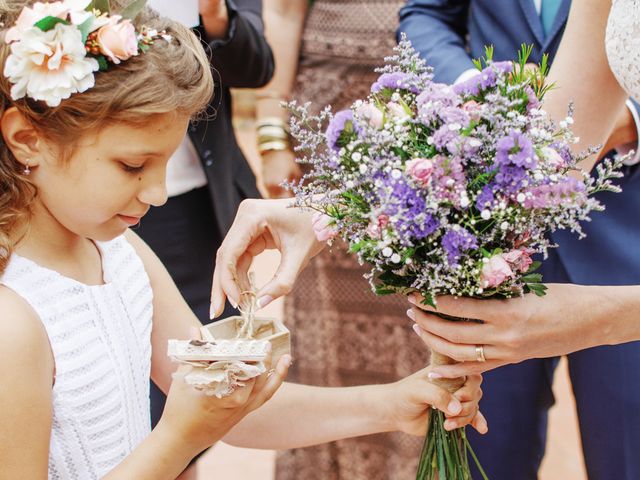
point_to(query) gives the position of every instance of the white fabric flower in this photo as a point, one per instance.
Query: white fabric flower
(29, 16)
(49, 66)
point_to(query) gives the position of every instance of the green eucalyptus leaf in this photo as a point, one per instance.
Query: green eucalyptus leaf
(85, 28)
(133, 9)
(102, 63)
(103, 6)
(49, 23)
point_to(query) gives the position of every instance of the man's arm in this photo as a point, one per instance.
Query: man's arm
(239, 52)
(437, 30)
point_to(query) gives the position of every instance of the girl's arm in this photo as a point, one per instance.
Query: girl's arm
(301, 415)
(26, 378)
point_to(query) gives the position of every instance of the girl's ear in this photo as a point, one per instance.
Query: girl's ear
(20, 137)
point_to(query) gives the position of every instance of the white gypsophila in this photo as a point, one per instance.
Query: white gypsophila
(50, 66)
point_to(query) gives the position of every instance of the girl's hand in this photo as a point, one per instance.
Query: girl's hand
(408, 401)
(201, 420)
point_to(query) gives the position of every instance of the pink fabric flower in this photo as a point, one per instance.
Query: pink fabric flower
(322, 227)
(495, 271)
(371, 114)
(376, 227)
(117, 39)
(420, 169)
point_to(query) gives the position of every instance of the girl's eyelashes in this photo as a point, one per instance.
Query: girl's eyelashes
(132, 168)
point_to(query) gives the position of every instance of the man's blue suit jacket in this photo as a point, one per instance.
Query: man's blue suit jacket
(448, 33)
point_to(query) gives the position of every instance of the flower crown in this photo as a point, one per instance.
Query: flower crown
(56, 47)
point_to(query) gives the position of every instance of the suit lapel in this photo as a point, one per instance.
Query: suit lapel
(558, 23)
(533, 19)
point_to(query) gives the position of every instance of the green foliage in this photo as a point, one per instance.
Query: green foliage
(49, 23)
(103, 6)
(133, 9)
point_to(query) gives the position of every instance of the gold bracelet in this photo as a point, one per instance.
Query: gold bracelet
(273, 131)
(272, 94)
(270, 122)
(274, 146)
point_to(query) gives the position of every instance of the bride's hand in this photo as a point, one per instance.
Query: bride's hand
(260, 225)
(568, 318)
(408, 401)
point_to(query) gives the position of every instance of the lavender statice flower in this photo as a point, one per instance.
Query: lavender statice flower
(341, 121)
(515, 149)
(485, 197)
(449, 180)
(566, 193)
(406, 206)
(445, 138)
(433, 99)
(484, 80)
(395, 80)
(456, 241)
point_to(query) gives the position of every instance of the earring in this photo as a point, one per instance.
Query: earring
(27, 169)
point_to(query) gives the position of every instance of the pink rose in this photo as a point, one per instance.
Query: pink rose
(495, 271)
(420, 169)
(376, 227)
(473, 108)
(117, 39)
(519, 259)
(397, 110)
(371, 114)
(553, 158)
(322, 227)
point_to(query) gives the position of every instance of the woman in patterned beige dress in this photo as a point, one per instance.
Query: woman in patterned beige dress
(342, 333)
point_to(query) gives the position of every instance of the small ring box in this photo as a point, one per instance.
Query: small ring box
(218, 350)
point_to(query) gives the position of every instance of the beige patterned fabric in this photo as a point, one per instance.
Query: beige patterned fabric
(623, 44)
(342, 333)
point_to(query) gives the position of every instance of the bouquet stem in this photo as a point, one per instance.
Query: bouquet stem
(444, 454)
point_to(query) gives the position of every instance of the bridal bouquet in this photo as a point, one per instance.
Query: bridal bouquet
(446, 190)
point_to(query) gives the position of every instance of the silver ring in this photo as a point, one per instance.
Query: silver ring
(480, 353)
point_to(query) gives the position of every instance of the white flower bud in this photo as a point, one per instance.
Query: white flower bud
(395, 258)
(485, 214)
(387, 252)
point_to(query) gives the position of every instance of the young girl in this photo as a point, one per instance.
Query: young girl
(82, 159)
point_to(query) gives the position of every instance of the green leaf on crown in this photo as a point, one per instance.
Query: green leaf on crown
(103, 6)
(102, 63)
(49, 23)
(134, 9)
(86, 27)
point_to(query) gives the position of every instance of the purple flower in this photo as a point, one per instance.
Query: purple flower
(468, 87)
(510, 178)
(532, 99)
(456, 241)
(433, 99)
(485, 197)
(502, 67)
(566, 193)
(395, 80)
(448, 179)
(452, 115)
(341, 121)
(445, 137)
(516, 149)
(407, 208)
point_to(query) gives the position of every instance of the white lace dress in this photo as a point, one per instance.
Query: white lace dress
(101, 341)
(623, 44)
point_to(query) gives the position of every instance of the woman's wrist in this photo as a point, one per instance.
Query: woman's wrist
(180, 446)
(617, 309)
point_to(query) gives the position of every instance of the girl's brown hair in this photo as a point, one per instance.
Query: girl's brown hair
(171, 76)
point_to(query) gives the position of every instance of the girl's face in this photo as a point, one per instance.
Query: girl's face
(111, 180)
